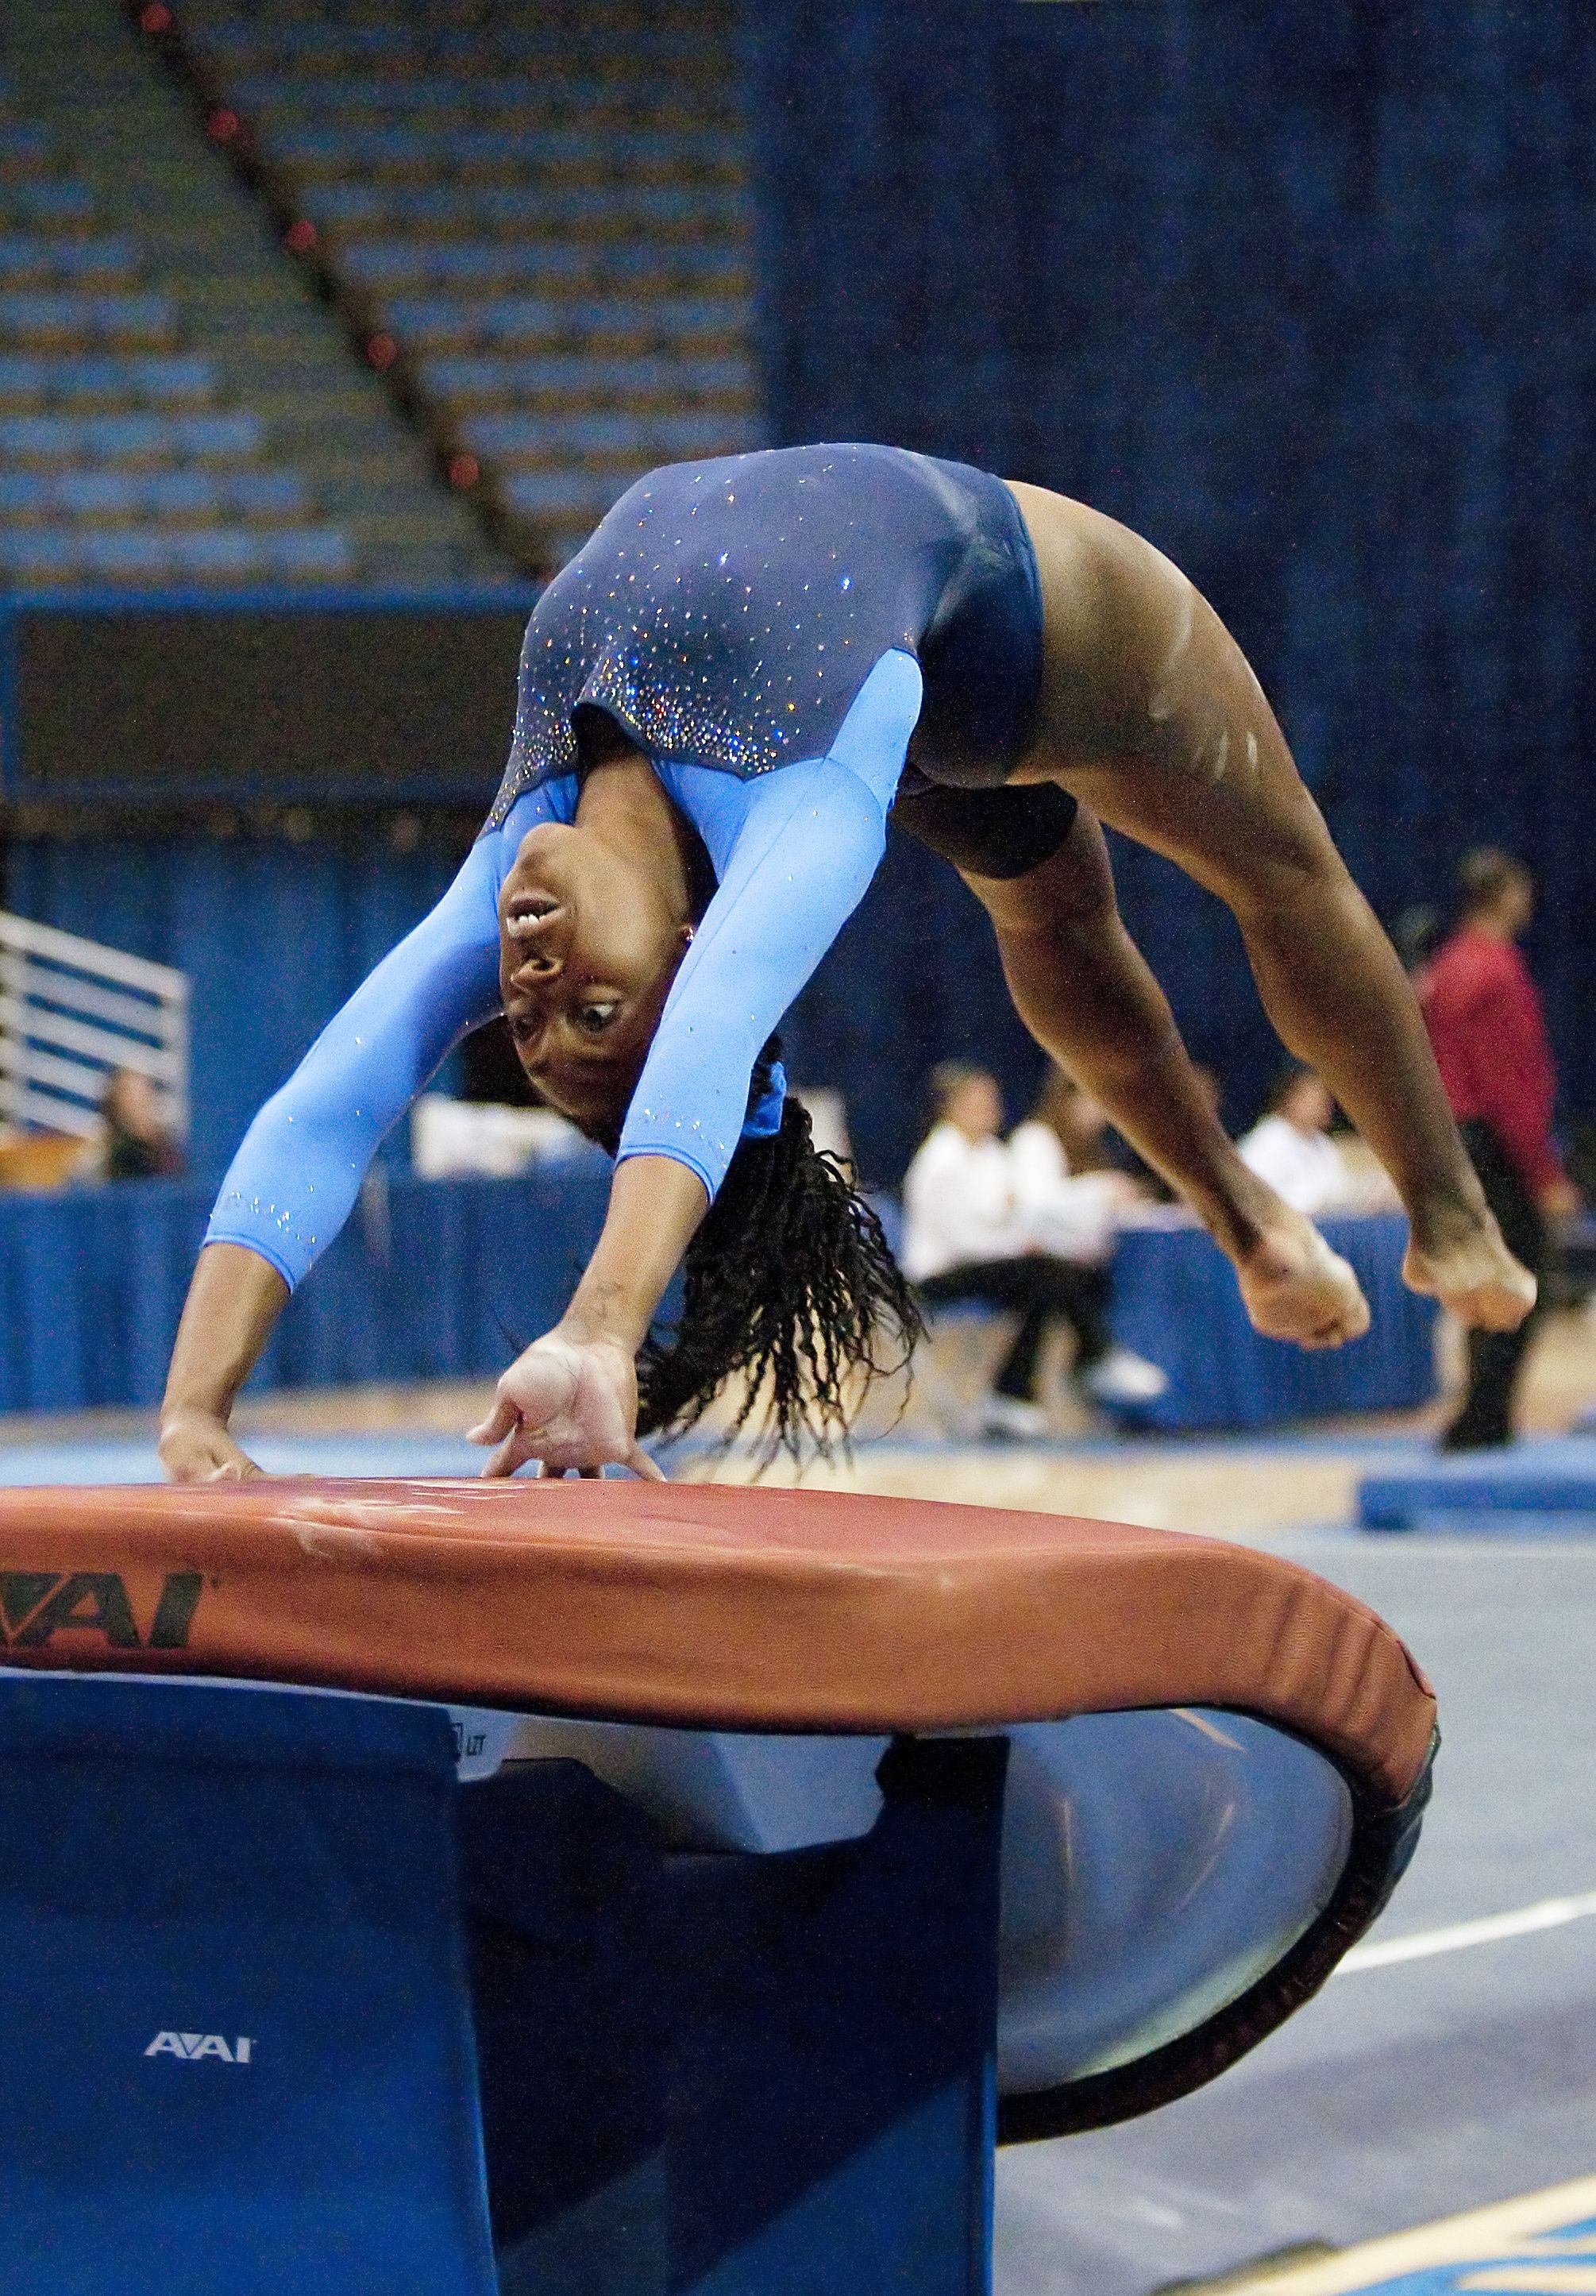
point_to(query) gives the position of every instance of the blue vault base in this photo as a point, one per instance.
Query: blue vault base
(287, 2006)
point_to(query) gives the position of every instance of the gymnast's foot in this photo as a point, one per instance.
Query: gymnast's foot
(1295, 1287)
(1475, 1275)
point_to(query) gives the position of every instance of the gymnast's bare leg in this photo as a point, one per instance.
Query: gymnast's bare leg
(1151, 716)
(1086, 994)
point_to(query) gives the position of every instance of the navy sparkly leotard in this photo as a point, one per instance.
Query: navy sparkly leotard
(778, 632)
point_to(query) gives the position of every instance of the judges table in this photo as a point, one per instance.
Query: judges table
(1175, 1301)
(445, 1279)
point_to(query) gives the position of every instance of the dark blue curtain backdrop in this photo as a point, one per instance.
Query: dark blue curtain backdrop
(1304, 292)
(273, 935)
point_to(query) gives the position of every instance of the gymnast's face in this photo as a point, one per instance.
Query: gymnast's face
(587, 951)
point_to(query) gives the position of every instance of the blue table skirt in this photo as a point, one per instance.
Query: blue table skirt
(446, 1279)
(1175, 1301)
(432, 1279)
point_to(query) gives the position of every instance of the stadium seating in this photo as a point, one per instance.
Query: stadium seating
(117, 465)
(538, 220)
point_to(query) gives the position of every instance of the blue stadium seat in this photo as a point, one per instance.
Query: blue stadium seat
(124, 438)
(87, 374)
(48, 201)
(23, 380)
(382, 262)
(135, 318)
(65, 316)
(217, 438)
(702, 205)
(567, 494)
(25, 494)
(338, 148)
(128, 554)
(92, 258)
(576, 374)
(522, 318)
(460, 378)
(321, 553)
(659, 438)
(183, 494)
(29, 254)
(264, 494)
(39, 438)
(148, 438)
(29, 379)
(432, 319)
(40, 554)
(467, 262)
(643, 260)
(347, 205)
(183, 376)
(496, 435)
(219, 554)
(99, 494)
(22, 257)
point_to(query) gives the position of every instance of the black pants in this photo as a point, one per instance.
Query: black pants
(1495, 1357)
(1042, 1291)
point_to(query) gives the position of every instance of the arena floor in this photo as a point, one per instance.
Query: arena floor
(1411, 2089)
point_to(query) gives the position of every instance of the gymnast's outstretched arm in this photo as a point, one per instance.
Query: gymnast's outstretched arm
(1152, 717)
(296, 1176)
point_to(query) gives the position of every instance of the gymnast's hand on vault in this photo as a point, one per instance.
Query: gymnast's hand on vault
(567, 1404)
(195, 1447)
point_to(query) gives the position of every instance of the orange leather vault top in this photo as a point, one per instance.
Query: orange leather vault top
(706, 1605)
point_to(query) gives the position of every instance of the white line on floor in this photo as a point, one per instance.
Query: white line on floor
(1550, 1914)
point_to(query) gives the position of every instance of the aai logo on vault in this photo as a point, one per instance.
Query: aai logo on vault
(37, 1605)
(192, 2046)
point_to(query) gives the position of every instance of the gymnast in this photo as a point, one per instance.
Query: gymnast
(752, 663)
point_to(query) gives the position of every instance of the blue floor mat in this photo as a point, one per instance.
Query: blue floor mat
(1530, 1490)
(28, 1466)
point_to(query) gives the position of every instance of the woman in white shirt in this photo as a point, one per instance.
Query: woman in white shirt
(1073, 1197)
(969, 1233)
(1291, 1147)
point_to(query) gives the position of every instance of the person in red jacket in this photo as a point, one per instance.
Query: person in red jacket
(1489, 1035)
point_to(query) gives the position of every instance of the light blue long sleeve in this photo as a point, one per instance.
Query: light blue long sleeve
(809, 842)
(295, 1178)
(793, 850)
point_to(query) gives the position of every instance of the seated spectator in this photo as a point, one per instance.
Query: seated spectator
(137, 1144)
(1072, 1194)
(966, 1237)
(1291, 1147)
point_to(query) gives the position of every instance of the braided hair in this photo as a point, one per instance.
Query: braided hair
(790, 1282)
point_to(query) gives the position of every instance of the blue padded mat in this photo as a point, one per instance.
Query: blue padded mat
(1531, 1490)
(28, 1466)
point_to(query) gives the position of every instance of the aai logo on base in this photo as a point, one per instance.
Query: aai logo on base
(192, 2046)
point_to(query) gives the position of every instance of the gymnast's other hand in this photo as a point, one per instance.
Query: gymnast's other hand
(196, 1448)
(567, 1404)
(1295, 1287)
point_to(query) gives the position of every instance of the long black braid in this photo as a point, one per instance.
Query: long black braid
(790, 1282)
